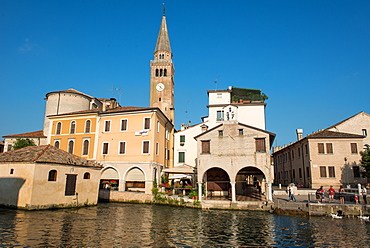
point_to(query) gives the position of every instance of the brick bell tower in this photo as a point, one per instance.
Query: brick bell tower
(162, 74)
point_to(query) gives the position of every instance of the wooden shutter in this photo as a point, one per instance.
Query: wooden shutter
(122, 147)
(123, 125)
(145, 146)
(331, 171)
(321, 148)
(329, 148)
(147, 123)
(260, 145)
(206, 146)
(322, 171)
(353, 147)
(87, 126)
(86, 148)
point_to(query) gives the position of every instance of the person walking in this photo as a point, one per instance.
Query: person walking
(322, 194)
(364, 193)
(291, 193)
(331, 192)
(341, 194)
(318, 195)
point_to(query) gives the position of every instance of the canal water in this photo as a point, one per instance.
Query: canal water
(140, 225)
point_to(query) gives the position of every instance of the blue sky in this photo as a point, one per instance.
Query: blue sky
(311, 58)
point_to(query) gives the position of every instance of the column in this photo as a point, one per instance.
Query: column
(233, 192)
(269, 191)
(121, 185)
(200, 191)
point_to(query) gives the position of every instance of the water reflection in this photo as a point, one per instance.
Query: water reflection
(123, 225)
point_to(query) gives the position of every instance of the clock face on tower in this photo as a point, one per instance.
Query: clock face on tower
(160, 87)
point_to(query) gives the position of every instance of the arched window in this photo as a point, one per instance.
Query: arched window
(57, 144)
(165, 72)
(52, 175)
(59, 128)
(156, 72)
(87, 126)
(70, 146)
(87, 175)
(11, 171)
(73, 127)
(85, 148)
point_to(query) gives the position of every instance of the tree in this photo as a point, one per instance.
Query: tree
(20, 143)
(365, 160)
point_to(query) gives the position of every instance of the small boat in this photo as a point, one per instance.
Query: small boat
(335, 216)
(364, 217)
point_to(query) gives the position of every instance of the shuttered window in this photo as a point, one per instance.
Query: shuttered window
(146, 147)
(331, 171)
(107, 126)
(181, 157)
(59, 128)
(87, 126)
(206, 146)
(329, 148)
(86, 148)
(353, 147)
(321, 148)
(71, 184)
(105, 148)
(146, 123)
(124, 125)
(52, 175)
(260, 145)
(73, 127)
(70, 146)
(122, 147)
(322, 171)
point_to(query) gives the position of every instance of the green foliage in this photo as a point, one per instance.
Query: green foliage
(365, 160)
(164, 178)
(20, 143)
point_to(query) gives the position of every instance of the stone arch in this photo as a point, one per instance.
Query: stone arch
(109, 178)
(135, 179)
(217, 183)
(250, 184)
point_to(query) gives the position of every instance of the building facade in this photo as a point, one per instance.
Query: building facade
(37, 137)
(329, 157)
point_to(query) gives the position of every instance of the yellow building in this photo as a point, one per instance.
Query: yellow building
(133, 143)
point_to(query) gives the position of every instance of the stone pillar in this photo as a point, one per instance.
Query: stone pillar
(148, 187)
(200, 191)
(233, 192)
(269, 191)
(121, 185)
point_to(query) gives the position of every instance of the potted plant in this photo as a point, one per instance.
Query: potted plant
(193, 194)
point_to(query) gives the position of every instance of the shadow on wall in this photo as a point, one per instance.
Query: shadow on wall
(9, 190)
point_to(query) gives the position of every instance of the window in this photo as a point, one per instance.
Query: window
(85, 150)
(321, 148)
(241, 132)
(70, 184)
(220, 133)
(308, 172)
(146, 123)
(322, 171)
(87, 126)
(292, 154)
(329, 149)
(157, 148)
(206, 149)
(300, 172)
(293, 173)
(165, 72)
(105, 148)
(299, 152)
(57, 144)
(73, 127)
(146, 147)
(122, 147)
(356, 171)
(59, 128)
(71, 144)
(10, 147)
(260, 145)
(52, 175)
(306, 149)
(220, 115)
(11, 171)
(353, 147)
(87, 175)
(219, 95)
(181, 157)
(364, 132)
(158, 126)
(156, 72)
(331, 171)
(124, 125)
(182, 138)
(107, 126)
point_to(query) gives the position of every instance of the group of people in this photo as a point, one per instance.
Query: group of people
(320, 195)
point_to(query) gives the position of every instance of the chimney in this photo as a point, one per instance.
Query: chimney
(204, 128)
(104, 107)
(183, 127)
(299, 134)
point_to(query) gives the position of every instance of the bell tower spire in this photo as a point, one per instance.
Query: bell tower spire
(162, 73)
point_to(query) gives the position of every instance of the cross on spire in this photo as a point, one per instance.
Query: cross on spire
(164, 10)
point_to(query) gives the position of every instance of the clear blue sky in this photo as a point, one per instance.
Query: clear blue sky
(311, 58)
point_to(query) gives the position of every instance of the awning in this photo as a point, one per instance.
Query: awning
(179, 170)
(179, 176)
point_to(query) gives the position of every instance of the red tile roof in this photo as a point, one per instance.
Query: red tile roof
(45, 154)
(36, 134)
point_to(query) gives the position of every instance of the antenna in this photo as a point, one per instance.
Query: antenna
(115, 89)
(120, 95)
(186, 112)
(216, 81)
(164, 9)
